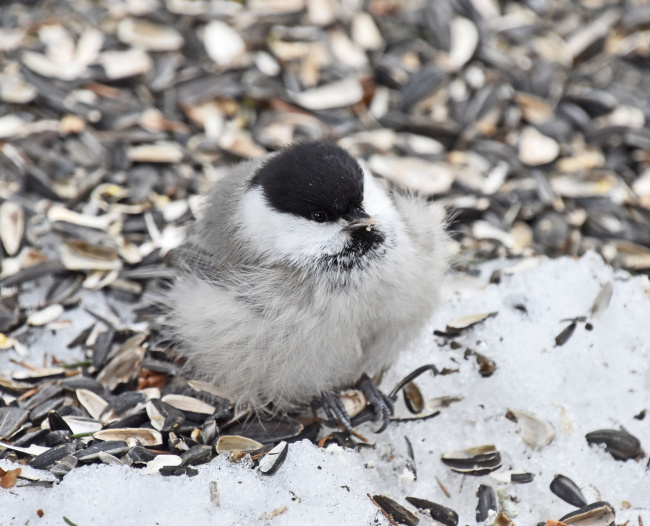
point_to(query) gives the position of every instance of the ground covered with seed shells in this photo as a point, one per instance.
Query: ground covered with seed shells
(527, 121)
(598, 379)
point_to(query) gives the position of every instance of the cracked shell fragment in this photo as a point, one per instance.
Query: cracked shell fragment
(479, 460)
(230, 443)
(12, 226)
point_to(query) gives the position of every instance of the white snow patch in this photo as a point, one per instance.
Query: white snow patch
(598, 379)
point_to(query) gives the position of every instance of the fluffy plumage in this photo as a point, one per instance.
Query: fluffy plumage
(274, 304)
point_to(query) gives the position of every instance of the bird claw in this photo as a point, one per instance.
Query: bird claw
(335, 410)
(382, 405)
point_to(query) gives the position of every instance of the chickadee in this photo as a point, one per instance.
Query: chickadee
(304, 274)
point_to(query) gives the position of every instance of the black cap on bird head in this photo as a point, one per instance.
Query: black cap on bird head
(315, 180)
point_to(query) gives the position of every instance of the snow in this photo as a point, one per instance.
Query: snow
(598, 379)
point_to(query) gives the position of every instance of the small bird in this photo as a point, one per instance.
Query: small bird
(303, 275)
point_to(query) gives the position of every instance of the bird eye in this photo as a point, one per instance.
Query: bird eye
(319, 217)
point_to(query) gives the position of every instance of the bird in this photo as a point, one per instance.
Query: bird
(303, 275)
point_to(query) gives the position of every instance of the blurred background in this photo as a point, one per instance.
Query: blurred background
(527, 120)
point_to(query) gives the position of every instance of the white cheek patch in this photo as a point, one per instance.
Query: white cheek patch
(377, 204)
(286, 237)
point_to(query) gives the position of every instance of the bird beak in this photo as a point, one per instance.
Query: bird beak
(358, 219)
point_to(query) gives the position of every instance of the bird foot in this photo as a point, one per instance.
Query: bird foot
(334, 409)
(380, 406)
